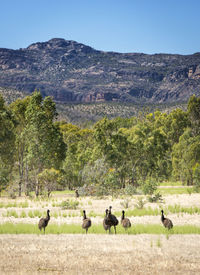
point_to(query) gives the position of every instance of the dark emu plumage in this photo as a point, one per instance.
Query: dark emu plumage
(111, 220)
(125, 221)
(43, 222)
(105, 226)
(86, 222)
(166, 222)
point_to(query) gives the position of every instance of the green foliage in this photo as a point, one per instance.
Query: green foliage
(69, 204)
(149, 186)
(140, 203)
(48, 180)
(129, 190)
(196, 176)
(7, 141)
(155, 197)
(126, 154)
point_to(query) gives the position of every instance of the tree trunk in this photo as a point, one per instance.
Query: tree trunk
(20, 188)
(37, 188)
(26, 181)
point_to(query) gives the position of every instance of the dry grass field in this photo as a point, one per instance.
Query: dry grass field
(99, 253)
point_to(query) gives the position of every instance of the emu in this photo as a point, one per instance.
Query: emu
(76, 193)
(166, 222)
(86, 222)
(111, 220)
(125, 221)
(106, 227)
(43, 222)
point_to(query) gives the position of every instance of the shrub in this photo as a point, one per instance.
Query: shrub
(12, 213)
(125, 203)
(140, 203)
(155, 198)
(69, 204)
(149, 187)
(189, 190)
(130, 190)
(23, 214)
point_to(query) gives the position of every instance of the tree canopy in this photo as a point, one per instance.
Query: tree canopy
(37, 151)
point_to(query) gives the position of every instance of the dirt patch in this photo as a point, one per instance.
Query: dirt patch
(99, 254)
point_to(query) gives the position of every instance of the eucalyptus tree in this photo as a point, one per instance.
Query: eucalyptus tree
(113, 146)
(7, 143)
(80, 146)
(45, 146)
(18, 108)
(186, 156)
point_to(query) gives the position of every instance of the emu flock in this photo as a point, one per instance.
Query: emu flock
(108, 221)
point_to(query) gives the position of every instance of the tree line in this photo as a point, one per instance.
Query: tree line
(40, 153)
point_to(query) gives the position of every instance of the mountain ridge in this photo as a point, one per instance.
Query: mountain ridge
(73, 72)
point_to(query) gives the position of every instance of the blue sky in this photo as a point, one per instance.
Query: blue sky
(148, 26)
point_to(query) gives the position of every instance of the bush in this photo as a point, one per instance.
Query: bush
(94, 190)
(69, 204)
(130, 190)
(155, 198)
(140, 203)
(126, 203)
(149, 187)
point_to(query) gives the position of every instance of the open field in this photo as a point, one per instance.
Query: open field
(99, 254)
(147, 248)
(183, 209)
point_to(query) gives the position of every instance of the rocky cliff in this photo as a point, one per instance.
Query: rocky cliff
(72, 72)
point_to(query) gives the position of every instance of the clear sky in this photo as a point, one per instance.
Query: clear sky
(148, 26)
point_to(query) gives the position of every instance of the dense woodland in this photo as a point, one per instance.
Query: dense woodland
(40, 153)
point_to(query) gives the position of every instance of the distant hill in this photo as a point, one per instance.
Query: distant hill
(73, 72)
(11, 95)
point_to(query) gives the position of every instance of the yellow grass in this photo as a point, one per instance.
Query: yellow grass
(99, 254)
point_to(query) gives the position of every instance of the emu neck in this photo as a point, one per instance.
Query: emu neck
(123, 216)
(162, 217)
(48, 216)
(84, 216)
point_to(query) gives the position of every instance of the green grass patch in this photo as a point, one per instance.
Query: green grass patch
(170, 183)
(174, 191)
(11, 213)
(171, 209)
(21, 228)
(64, 192)
(14, 204)
(23, 214)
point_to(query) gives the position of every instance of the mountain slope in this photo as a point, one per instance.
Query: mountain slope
(72, 72)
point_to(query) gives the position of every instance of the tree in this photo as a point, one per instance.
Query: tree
(193, 110)
(185, 155)
(46, 148)
(7, 141)
(80, 146)
(19, 109)
(112, 145)
(48, 179)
